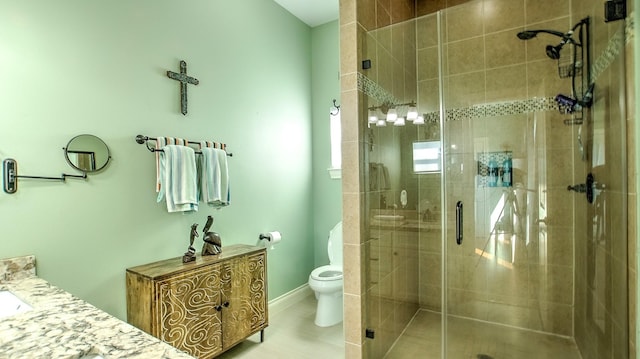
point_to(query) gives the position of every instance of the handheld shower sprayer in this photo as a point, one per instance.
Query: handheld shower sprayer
(530, 34)
(567, 38)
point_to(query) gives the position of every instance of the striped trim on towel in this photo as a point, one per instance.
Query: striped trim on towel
(200, 164)
(160, 143)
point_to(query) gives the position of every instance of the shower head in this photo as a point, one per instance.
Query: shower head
(530, 34)
(552, 51)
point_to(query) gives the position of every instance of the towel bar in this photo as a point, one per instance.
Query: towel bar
(145, 140)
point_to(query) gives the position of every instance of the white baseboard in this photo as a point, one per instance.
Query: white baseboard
(284, 301)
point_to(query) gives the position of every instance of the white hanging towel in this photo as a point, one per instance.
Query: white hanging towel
(178, 178)
(160, 143)
(214, 181)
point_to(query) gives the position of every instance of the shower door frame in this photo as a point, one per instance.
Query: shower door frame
(602, 102)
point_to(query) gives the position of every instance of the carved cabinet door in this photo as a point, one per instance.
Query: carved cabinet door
(235, 317)
(190, 311)
(246, 295)
(257, 299)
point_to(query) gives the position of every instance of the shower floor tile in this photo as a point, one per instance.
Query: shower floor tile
(469, 339)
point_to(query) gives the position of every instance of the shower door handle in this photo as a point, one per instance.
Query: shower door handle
(459, 222)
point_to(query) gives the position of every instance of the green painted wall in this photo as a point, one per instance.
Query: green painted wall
(72, 67)
(327, 192)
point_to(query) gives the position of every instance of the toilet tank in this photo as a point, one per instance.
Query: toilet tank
(334, 245)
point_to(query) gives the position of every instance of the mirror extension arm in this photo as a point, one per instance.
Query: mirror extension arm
(10, 176)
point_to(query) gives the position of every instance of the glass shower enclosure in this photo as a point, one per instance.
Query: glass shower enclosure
(495, 175)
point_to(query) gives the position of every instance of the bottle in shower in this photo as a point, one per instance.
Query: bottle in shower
(492, 172)
(507, 171)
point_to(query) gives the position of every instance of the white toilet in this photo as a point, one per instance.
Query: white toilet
(326, 281)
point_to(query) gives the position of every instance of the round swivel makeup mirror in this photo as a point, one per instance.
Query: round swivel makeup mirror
(87, 153)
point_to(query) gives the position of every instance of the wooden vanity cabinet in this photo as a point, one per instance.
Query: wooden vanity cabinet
(203, 307)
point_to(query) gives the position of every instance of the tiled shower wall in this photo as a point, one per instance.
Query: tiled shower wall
(485, 63)
(606, 280)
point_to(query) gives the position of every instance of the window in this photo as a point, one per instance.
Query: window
(335, 171)
(426, 157)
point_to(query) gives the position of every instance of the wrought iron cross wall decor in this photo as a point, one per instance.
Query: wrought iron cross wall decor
(184, 80)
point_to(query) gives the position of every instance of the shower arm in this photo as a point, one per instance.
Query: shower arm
(530, 34)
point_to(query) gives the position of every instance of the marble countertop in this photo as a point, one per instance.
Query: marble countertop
(62, 326)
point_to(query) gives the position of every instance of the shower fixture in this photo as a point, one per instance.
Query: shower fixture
(590, 188)
(553, 52)
(530, 34)
(569, 104)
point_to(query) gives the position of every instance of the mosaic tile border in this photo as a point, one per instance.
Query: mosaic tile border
(373, 90)
(629, 27)
(615, 45)
(502, 108)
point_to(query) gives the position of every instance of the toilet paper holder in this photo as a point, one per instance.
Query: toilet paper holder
(264, 236)
(271, 237)
(268, 236)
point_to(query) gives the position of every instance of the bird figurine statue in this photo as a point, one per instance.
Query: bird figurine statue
(212, 241)
(190, 255)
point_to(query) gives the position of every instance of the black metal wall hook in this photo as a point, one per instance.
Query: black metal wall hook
(337, 107)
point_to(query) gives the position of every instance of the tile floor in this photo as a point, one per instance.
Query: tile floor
(292, 334)
(470, 339)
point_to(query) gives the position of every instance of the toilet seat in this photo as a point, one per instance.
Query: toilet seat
(327, 273)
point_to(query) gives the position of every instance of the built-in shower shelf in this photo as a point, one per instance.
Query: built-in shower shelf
(483, 162)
